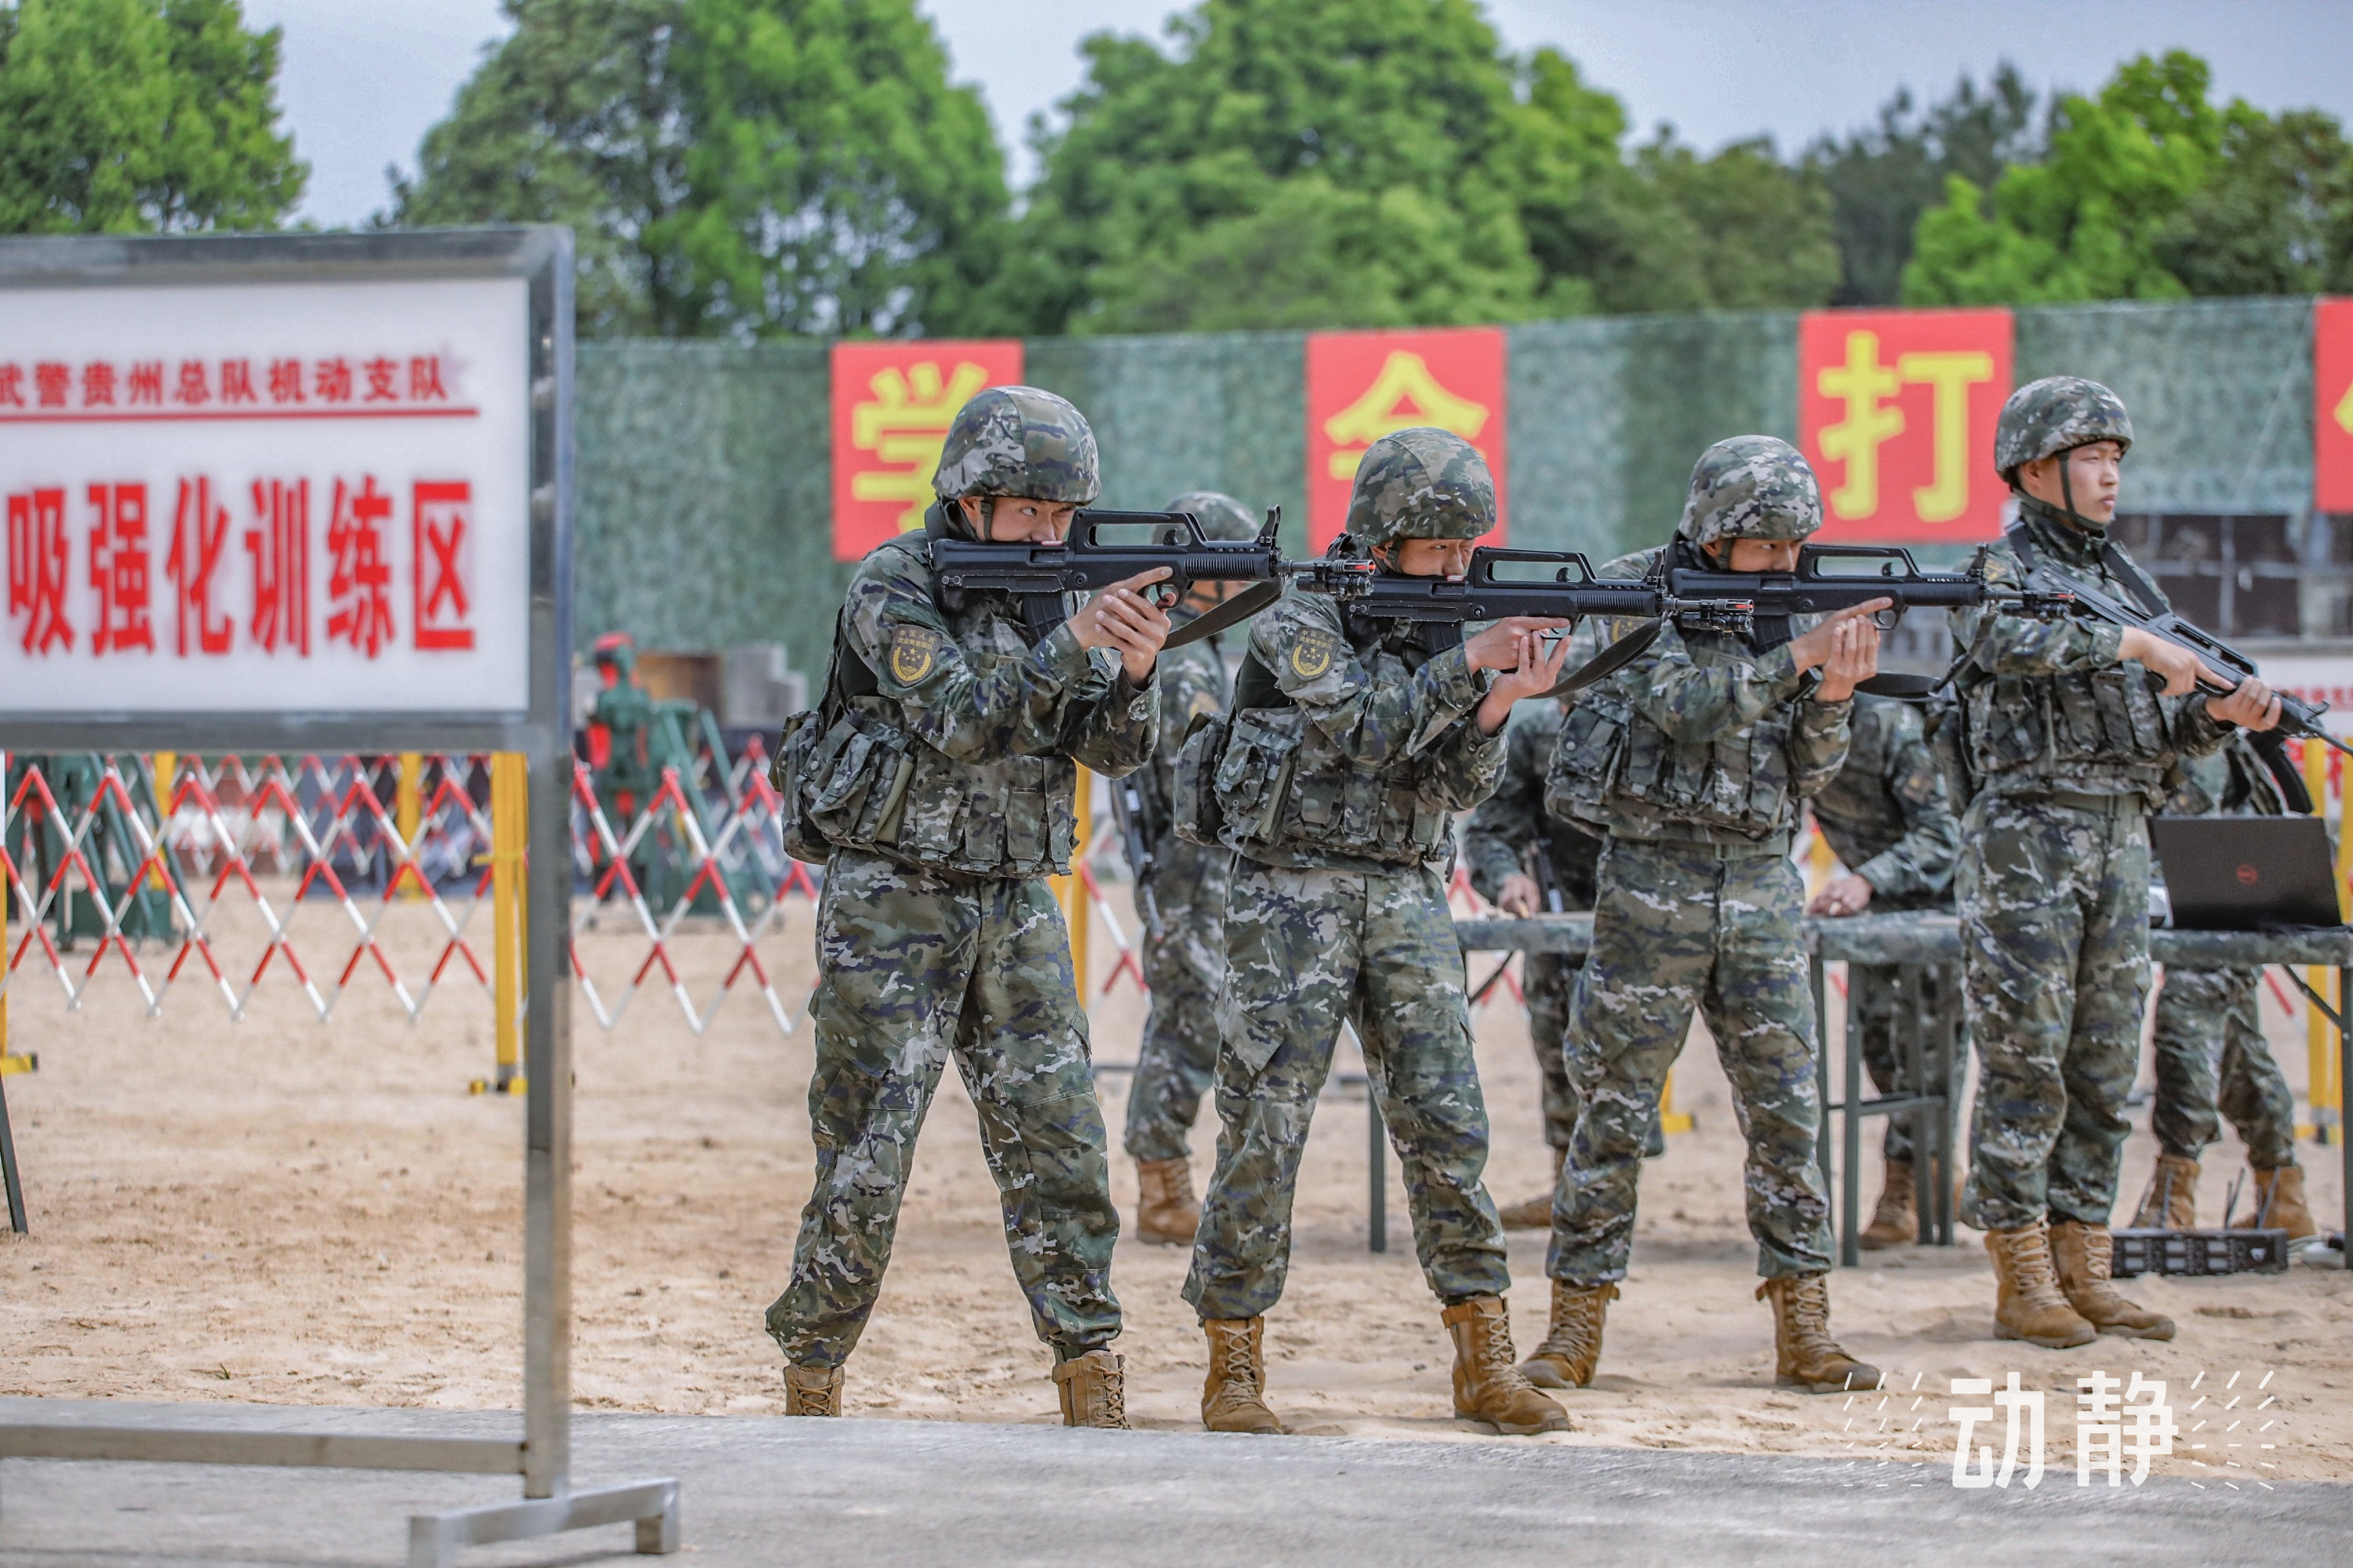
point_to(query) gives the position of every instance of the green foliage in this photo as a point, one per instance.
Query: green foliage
(139, 116)
(2276, 217)
(1881, 180)
(737, 167)
(1378, 163)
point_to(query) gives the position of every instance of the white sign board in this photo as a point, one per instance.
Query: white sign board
(289, 496)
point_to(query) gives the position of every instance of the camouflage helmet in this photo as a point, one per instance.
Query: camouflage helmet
(1019, 440)
(1220, 514)
(2057, 414)
(1751, 487)
(1422, 484)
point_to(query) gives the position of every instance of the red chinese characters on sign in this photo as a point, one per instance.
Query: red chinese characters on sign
(233, 386)
(441, 549)
(199, 540)
(2332, 411)
(279, 541)
(1896, 411)
(40, 560)
(892, 406)
(359, 606)
(118, 570)
(1363, 385)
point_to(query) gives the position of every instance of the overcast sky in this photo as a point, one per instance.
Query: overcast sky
(364, 78)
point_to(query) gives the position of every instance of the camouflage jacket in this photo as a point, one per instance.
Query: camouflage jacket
(2046, 706)
(1352, 745)
(1888, 814)
(1192, 682)
(2231, 782)
(1700, 740)
(1511, 828)
(997, 724)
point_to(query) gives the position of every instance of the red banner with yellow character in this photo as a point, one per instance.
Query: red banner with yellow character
(891, 404)
(1895, 411)
(2332, 411)
(1361, 385)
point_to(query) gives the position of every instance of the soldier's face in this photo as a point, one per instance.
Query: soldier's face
(1018, 520)
(1759, 555)
(2093, 473)
(1431, 557)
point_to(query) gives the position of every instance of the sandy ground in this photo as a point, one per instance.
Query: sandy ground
(275, 1211)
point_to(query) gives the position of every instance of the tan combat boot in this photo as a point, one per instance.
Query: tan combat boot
(1233, 1398)
(1535, 1213)
(1573, 1348)
(2081, 1253)
(1896, 1222)
(2027, 1303)
(2279, 1205)
(1167, 1214)
(2171, 1202)
(1488, 1388)
(812, 1390)
(1804, 1354)
(1094, 1390)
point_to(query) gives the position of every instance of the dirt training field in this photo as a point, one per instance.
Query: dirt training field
(280, 1212)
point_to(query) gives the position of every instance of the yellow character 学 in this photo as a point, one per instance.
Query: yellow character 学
(904, 427)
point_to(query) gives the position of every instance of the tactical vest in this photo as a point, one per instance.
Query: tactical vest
(2020, 727)
(1615, 766)
(1281, 784)
(852, 776)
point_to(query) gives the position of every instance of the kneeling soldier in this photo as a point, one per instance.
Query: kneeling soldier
(939, 773)
(1353, 742)
(1694, 757)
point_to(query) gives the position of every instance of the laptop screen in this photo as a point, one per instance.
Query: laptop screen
(2247, 873)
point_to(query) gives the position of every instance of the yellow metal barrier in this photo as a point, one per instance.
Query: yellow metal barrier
(510, 832)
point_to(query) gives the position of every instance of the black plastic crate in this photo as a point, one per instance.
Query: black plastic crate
(2200, 1252)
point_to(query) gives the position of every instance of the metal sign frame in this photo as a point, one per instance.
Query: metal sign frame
(542, 256)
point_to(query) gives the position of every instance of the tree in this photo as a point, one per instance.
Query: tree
(2084, 223)
(2275, 217)
(1881, 180)
(139, 116)
(738, 167)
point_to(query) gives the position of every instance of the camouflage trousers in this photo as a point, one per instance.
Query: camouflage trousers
(915, 967)
(2054, 946)
(1306, 950)
(1677, 930)
(1547, 981)
(2212, 1056)
(1874, 1001)
(1184, 965)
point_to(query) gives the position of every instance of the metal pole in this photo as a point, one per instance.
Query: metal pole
(1851, 1131)
(1376, 1207)
(547, 1142)
(2345, 1077)
(8, 1165)
(1821, 1072)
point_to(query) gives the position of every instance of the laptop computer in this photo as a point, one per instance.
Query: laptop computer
(2247, 873)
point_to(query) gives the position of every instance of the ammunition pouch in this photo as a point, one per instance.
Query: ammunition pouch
(2034, 723)
(1737, 781)
(1193, 795)
(1267, 800)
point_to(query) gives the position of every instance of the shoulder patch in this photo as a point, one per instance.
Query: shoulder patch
(913, 651)
(1312, 653)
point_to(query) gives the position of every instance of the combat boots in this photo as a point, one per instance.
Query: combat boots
(2081, 1253)
(1535, 1213)
(1804, 1354)
(1488, 1388)
(1896, 1222)
(2027, 1303)
(812, 1390)
(1573, 1347)
(1093, 1389)
(2171, 1202)
(1233, 1398)
(2279, 1205)
(1166, 1213)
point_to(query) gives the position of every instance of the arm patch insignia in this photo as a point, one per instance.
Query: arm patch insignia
(1311, 655)
(913, 651)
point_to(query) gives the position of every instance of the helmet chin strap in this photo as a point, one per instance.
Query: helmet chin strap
(2067, 497)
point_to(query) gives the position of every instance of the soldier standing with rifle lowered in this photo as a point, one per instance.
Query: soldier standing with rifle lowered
(1889, 817)
(2208, 1036)
(1180, 895)
(2069, 732)
(1694, 757)
(1354, 741)
(937, 783)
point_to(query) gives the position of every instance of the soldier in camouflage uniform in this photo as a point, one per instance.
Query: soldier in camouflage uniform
(1353, 742)
(1181, 898)
(2068, 732)
(2208, 1037)
(1889, 817)
(1526, 862)
(1693, 759)
(940, 774)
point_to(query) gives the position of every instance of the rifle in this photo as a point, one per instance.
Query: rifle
(1131, 812)
(1105, 547)
(2298, 716)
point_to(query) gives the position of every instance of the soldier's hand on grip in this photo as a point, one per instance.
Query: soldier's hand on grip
(1532, 672)
(1498, 647)
(2252, 707)
(1846, 648)
(1123, 619)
